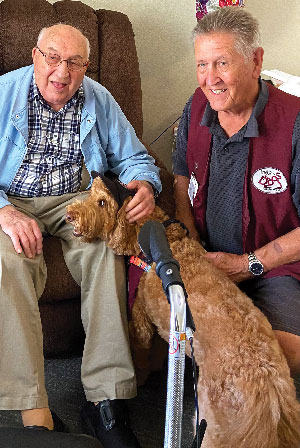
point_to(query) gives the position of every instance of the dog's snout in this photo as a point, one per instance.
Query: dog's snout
(69, 217)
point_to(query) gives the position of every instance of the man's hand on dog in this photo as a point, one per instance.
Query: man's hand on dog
(23, 231)
(235, 266)
(142, 204)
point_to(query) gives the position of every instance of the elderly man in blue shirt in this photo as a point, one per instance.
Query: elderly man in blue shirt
(56, 126)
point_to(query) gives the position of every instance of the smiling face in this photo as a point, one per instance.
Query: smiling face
(228, 80)
(58, 84)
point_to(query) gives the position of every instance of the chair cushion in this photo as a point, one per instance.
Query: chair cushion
(60, 284)
(59, 305)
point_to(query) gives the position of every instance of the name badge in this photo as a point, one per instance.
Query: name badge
(193, 188)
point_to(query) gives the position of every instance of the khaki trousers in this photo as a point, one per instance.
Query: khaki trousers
(107, 369)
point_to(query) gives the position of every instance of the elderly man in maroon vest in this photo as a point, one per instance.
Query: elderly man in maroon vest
(237, 171)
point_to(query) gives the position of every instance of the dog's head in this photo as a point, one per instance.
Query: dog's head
(102, 215)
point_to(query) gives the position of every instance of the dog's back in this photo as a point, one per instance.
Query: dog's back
(245, 390)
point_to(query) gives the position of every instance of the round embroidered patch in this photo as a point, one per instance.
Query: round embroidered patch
(269, 180)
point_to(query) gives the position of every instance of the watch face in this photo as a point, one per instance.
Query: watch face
(256, 268)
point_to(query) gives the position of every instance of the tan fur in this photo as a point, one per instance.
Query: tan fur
(245, 390)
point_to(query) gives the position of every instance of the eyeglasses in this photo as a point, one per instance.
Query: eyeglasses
(54, 60)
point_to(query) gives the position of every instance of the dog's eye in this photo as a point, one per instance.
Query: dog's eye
(101, 202)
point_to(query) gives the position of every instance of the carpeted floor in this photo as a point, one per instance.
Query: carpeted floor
(147, 410)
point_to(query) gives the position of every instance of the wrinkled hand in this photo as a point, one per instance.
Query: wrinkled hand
(23, 231)
(234, 266)
(142, 204)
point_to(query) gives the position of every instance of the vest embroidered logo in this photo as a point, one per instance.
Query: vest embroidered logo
(269, 180)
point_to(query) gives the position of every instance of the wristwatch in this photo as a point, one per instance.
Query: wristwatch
(255, 266)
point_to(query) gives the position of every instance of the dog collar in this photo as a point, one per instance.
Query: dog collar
(170, 221)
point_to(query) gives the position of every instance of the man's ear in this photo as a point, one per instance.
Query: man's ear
(33, 53)
(258, 57)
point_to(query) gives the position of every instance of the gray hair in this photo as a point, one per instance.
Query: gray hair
(233, 20)
(45, 29)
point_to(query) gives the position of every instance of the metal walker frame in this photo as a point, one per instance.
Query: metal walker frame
(154, 244)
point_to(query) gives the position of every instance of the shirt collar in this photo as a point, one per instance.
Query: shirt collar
(34, 93)
(252, 125)
(210, 116)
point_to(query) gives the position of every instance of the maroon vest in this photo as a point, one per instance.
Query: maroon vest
(268, 209)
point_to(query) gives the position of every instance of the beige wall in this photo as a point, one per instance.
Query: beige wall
(163, 28)
(280, 26)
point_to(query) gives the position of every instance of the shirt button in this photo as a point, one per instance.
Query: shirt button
(17, 116)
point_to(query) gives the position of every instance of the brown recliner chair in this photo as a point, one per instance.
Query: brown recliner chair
(114, 64)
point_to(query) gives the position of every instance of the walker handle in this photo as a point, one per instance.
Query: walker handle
(154, 244)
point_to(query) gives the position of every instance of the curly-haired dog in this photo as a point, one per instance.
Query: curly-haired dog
(245, 390)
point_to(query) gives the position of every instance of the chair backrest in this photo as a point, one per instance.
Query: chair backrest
(114, 61)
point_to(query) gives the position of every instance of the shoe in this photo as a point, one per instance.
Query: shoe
(57, 422)
(108, 422)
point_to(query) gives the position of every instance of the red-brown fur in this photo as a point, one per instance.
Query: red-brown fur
(245, 390)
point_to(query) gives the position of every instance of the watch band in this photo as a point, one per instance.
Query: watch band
(252, 257)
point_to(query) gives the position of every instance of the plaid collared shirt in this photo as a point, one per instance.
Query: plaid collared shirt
(53, 162)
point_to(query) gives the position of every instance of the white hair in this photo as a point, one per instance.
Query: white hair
(45, 29)
(233, 20)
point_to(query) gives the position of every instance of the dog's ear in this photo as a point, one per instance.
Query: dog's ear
(116, 188)
(123, 240)
(95, 174)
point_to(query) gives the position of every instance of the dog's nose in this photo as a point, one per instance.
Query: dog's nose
(69, 218)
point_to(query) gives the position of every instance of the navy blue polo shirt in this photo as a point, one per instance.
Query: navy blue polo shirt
(227, 172)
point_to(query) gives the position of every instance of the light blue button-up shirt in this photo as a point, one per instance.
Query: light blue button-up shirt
(107, 139)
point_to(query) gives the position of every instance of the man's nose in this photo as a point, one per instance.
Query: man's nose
(212, 76)
(63, 68)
